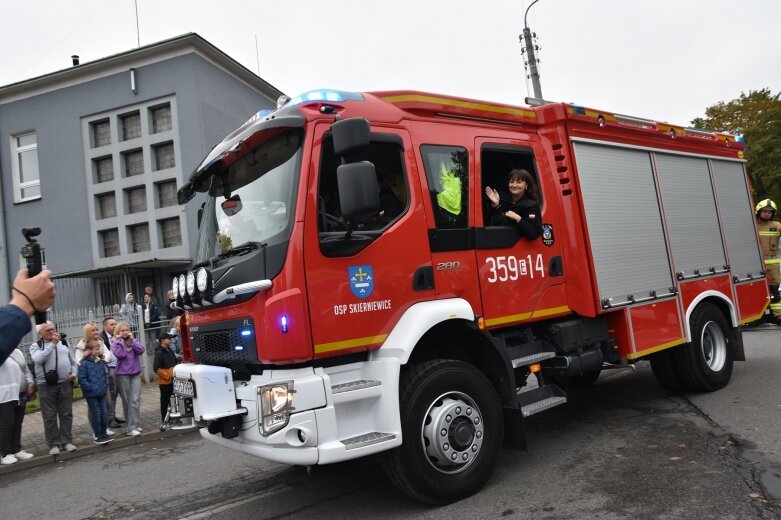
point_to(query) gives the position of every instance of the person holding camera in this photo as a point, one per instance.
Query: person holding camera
(28, 296)
(55, 371)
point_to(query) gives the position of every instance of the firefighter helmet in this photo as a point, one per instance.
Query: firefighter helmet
(766, 204)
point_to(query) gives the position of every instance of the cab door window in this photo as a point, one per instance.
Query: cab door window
(447, 173)
(497, 161)
(386, 153)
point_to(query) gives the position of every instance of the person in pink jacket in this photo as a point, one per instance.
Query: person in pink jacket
(128, 351)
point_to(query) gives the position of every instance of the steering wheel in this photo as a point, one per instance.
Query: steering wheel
(333, 223)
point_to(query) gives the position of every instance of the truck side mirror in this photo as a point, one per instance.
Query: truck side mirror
(350, 134)
(358, 189)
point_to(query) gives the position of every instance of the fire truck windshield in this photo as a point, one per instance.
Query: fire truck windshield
(260, 190)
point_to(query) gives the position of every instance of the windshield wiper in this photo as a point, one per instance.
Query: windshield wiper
(235, 251)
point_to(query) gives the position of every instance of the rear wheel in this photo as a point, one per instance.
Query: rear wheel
(705, 364)
(663, 365)
(452, 429)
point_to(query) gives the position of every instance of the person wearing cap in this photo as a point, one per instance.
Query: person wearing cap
(769, 230)
(164, 363)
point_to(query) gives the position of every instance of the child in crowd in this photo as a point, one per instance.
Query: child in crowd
(94, 383)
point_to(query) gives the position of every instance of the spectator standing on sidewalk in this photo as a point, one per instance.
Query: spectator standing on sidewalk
(171, 313)
(164, 363)
(129, 310)
(105, 357)
(94, 382)
(16, 386)
(129, 351)
(151, 317)
(109, 325)
(55, 389)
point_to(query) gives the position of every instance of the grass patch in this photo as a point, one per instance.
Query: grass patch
(34, 404)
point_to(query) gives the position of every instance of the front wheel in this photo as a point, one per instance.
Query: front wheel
(705, 364)
(452, 429)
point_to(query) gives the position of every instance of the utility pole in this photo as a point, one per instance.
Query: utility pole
(531, 57)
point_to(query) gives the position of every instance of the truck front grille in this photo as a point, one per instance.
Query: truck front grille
(225, 345)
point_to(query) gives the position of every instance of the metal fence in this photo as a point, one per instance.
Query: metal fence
(71, 322)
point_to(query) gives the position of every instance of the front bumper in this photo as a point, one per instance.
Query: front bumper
(322, 420)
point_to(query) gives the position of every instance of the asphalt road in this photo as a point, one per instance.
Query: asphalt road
(625, 448)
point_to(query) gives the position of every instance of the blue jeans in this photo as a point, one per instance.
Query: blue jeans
(97, 409)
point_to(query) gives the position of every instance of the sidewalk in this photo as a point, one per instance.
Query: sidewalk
(34, 440)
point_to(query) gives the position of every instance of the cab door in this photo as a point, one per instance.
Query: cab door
(359, 284)
(520, 279)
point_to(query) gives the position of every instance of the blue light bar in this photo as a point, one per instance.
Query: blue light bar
(333, 96)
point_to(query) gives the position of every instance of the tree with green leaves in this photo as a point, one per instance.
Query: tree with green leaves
(756, 116)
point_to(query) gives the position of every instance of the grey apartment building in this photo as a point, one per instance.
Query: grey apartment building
(94, 155)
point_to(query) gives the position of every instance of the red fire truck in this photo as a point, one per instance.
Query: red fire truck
(353, 293)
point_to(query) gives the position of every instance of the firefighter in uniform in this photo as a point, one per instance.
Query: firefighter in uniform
(769, 232)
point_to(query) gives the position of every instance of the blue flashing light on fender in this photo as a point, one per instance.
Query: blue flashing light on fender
(246, 332)
(283, 323)
(238, 347)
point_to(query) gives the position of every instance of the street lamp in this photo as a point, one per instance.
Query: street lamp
(531, 58)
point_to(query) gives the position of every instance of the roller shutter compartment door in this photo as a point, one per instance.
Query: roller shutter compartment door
(737, 216)
(624, 222)
(692, 218)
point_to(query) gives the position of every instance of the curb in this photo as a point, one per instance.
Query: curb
(122, 441)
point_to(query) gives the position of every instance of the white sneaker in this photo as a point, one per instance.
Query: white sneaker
(8, 459)
(140, 429)
(109, 432)
(54, 450)
(133, 433)
(70, 447)
(23, 455)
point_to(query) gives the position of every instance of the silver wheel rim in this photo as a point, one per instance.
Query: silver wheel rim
(452, 432)
(714, 346)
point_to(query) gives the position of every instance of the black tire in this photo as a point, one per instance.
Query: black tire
(583, 380)
(705, 364)
(664, 369)
(431, 393)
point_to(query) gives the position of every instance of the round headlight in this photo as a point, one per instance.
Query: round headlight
(202, 279)
(191, 283)
(175, 286)
(182, 292)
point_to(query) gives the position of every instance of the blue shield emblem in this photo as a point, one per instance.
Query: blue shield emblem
(361, 280)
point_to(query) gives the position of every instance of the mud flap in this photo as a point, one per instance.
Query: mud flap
(514, 430)
(739, 351)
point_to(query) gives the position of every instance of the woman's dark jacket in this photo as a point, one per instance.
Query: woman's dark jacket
(530, 225)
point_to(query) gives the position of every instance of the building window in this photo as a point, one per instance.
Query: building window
(134, 163)
(166, 194)
(164, 156)
(161, 118)
(27, 180)
(101, 133)
(109, 242)
(171, 232)
(139, 238)
(106, 205)
(131, 126)
(104, 169)
(136, 200)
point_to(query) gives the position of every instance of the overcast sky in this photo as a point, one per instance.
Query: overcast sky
(661, 59)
